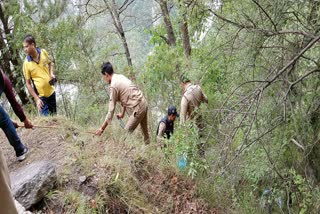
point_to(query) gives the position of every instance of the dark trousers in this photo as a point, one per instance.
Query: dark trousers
(10, 131)
(49, 105)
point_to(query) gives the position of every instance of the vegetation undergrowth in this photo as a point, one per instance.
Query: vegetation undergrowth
(114, 173)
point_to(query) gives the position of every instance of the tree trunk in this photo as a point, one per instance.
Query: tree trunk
(9, 55)
(115, 15)
(124, 40)
(185, 36)
(171, 40)
(15, 80)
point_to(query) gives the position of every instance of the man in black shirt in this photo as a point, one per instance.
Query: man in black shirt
(166, 125)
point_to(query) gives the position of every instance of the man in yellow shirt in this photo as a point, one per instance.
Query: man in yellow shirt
(39, 74)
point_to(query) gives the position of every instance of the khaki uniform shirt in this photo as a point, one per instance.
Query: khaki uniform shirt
(6, 198)
(191, 99)
(124, 91)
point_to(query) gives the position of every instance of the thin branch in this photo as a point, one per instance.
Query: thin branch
(274, 33)
(271, 162)
(94, 14)
(304, 76)
(295, 14)
(265, 12)
(306, 48)
(312, 60)
(165, 39)
(230, 21)
(267, 132)
(253, 119)
(274, 46)
(267, 32)
(86, 5)
(242, 120)
(252, 142)
(125, 5)
(297, 144)
(241, 85)
(299, 80)
(115, 54)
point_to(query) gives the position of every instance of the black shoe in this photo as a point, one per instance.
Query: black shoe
(23, 155)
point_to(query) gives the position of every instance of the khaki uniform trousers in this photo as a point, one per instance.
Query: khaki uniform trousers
(7, 205)
(139, 116)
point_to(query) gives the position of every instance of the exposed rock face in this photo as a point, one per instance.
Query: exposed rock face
(32, 182)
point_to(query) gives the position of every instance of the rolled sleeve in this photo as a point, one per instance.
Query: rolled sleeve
(160, 134)
(183, 110)
(17, 108)
(162, 129)
(26, 72)
(112, 104)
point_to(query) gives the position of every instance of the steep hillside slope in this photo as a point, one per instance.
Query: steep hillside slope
(114, 173)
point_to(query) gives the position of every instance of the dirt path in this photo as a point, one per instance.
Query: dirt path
(43, 144)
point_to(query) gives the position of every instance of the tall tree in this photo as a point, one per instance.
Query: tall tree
(116, 11)
(185, 36)
(170, 39)
(183, 11)
(270, 54)
(14, 16)
(8, 53)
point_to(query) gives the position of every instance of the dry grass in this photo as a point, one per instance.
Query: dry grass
(122, 174)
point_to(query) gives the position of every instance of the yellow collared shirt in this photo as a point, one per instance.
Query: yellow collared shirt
(39, 73)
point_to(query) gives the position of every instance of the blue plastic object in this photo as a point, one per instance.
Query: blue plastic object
(182, 162)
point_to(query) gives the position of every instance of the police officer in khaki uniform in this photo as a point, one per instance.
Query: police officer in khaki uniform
(7, 205)
(191, 99)
(131, 99)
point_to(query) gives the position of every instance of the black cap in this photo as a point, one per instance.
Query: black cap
(184, 78)
(173, 110)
